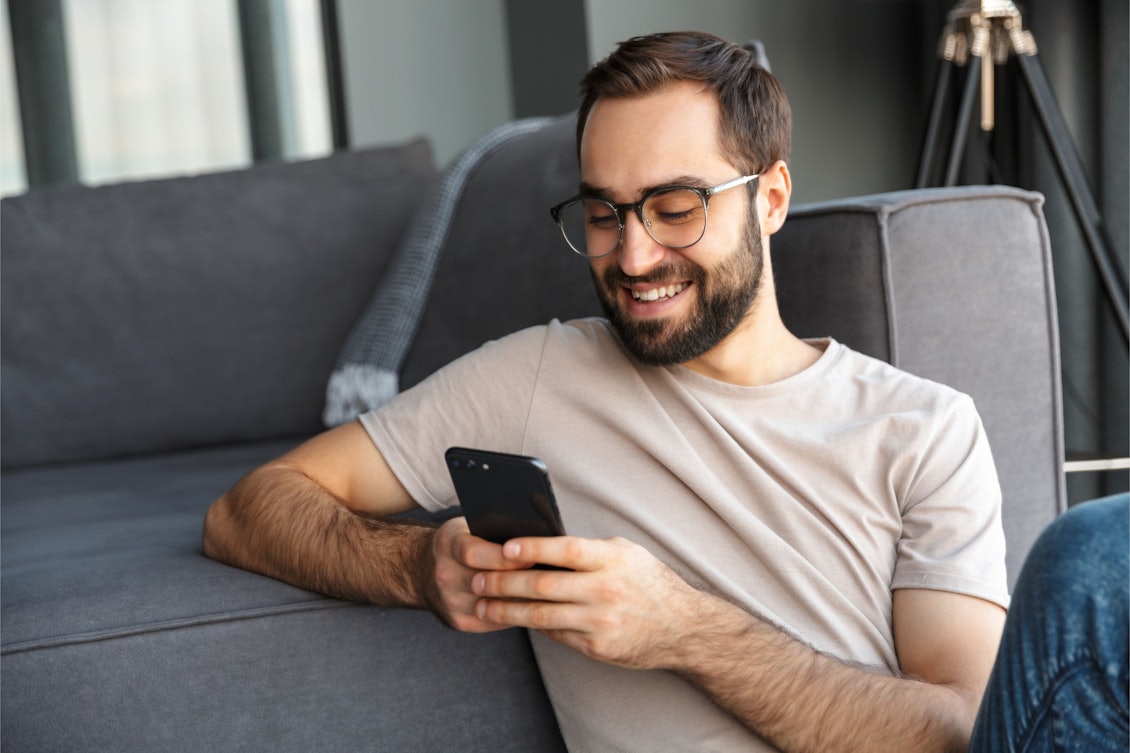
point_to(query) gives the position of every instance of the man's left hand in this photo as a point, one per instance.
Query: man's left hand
(614, 601)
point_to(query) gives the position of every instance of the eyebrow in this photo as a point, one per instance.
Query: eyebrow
(589, 189)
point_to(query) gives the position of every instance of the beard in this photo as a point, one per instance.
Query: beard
(725, 297)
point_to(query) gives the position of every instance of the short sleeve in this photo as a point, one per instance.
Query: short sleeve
(952, 538)
(480, 400)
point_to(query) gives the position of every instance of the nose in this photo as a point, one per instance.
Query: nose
(638, 252)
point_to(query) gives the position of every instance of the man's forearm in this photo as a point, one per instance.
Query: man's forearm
(278, 522)
(802, 700)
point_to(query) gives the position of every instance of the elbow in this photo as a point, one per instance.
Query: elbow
(218, 524)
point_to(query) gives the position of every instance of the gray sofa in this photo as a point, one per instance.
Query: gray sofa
(160, 339)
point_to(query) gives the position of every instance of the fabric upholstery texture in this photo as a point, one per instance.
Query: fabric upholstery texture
(119, 635)
(95, 551)
(155, 315)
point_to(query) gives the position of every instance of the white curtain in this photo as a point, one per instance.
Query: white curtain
(157, 87)
(13, 178)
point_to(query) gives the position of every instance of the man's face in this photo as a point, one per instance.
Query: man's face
(671, 306)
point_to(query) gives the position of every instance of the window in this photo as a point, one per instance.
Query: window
(12, 177)
(158, 88)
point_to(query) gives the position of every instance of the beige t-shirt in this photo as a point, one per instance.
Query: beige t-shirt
(805, 501)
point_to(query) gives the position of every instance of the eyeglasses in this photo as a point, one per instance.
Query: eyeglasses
(674, 216)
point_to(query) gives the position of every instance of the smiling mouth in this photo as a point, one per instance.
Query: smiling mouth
(659, 294)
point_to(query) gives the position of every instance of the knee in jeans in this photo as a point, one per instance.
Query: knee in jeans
(1086, 540)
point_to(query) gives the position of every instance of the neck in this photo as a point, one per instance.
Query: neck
(761, 350)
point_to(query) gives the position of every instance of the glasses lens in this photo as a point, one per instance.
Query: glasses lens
(676, 218)
(590, 226)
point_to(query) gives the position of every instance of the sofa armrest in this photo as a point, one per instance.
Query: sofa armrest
(954, 285)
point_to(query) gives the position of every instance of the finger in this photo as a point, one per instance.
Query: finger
(468, 621)
(455, 599)
(538, 615)
(531, 585)
(475, 553)
(568, 552)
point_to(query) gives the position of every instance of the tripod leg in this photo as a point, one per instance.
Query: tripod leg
(933, 126)
(964, 119)
(1074, 178)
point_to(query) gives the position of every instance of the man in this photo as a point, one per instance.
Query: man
(775, 543)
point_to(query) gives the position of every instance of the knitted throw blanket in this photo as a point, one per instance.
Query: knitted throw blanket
(366, 374)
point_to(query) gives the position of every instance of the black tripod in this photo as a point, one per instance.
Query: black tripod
(982, 34)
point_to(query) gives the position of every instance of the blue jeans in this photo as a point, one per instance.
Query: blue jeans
(1060, 679)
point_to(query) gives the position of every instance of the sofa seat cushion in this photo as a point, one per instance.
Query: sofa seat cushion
(118, 634)
(100, 550)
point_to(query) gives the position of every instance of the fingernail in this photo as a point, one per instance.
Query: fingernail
(512, 550)
(481, 609)
(478, 583)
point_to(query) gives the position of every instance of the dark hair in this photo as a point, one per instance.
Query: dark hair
(756, 127)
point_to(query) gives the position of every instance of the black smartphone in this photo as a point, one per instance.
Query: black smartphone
(503, 496)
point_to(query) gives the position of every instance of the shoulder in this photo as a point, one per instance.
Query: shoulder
(878, 381)
(525, 351)
(923, 423)
(583, 339)
(591, 332)
(574, 338)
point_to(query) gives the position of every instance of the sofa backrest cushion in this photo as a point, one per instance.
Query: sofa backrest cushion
(156, 315)
(505, 265)
(368, 369)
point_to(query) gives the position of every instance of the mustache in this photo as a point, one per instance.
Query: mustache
(614, 277)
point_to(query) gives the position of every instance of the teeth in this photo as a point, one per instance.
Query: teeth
(655, 294)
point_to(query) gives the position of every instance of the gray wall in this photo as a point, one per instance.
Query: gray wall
(853, 71)
(433, 67)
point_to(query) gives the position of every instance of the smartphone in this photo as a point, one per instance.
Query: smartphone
(503, 496)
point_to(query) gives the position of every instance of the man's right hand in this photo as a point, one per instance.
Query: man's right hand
(338, 488)
(458, 556)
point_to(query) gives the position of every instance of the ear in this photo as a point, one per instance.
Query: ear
(776, 187)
